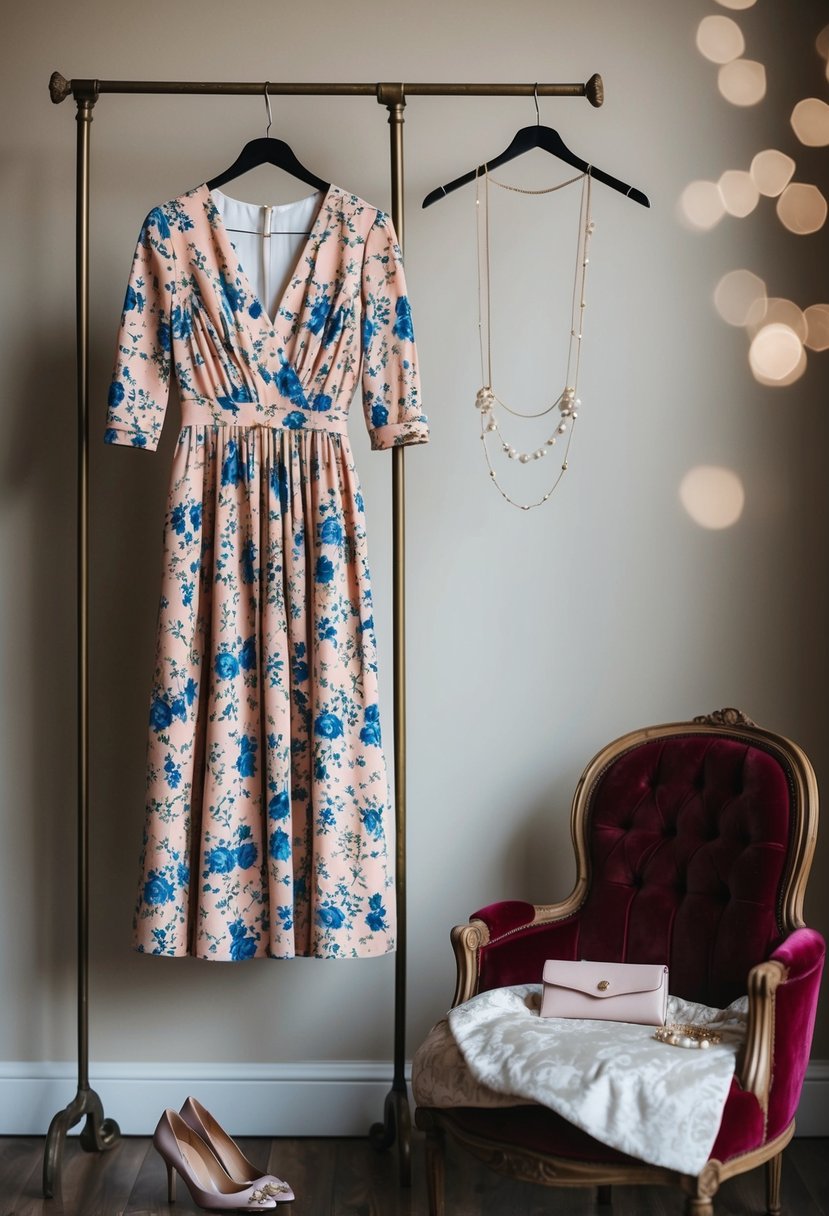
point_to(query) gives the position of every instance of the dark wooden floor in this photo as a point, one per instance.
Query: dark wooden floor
(345, 1177)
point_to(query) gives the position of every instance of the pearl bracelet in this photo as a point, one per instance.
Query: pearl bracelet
(684, 1035)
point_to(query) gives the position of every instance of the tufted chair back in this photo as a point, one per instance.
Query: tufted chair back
(687, 841)
(686, 838)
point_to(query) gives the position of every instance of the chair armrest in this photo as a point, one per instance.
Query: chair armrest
(508, 942)
(782, 1002)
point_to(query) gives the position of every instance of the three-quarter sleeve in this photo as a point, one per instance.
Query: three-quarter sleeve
(390, 375)
(140, 384)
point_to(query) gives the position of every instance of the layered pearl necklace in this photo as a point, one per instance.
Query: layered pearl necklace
(567, 402)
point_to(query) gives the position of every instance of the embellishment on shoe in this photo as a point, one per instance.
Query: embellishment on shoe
(274, 1188)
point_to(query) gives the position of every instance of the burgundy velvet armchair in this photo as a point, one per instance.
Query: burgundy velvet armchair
(693, 844)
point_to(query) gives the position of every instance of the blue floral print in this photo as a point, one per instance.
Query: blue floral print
(226, 665)
(280, 847)
(403, 324)
(376, 918)
(268, 813)
(324, 571)
(160, 715)
(247, 855)
(157, 890)
(328, 726)
(246, 760)
(280, 805)
(220, 860)
(289, 384)
(370, 733)
(243, 944)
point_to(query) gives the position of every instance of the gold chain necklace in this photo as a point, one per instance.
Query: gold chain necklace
(567, 401)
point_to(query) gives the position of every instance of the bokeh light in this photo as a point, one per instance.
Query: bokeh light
(713, 496)
(822, 42)
(783, 381)
(775, 352)
(778, 310)
(771, 172)
(736, 294)
(701, 205)
(737, 3)
(739, 193)
(720, 39)
(742, 82)
(817, 326)
(810, 122)
(802, 208)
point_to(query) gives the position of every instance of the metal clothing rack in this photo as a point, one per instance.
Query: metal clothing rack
(100, 1133)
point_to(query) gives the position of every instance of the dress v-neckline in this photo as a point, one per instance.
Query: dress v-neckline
(229, 248)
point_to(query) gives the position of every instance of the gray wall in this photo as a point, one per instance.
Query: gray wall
(534, 638)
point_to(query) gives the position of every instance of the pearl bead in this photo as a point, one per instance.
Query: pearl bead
(551, 441)
(685, 1040)
(574, 415)
(561, 428)
(704, 1043)
(523, 457)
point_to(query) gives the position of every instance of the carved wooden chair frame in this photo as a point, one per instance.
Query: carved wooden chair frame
(754, 1065)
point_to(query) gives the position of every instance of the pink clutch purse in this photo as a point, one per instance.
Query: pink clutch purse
(610, 992)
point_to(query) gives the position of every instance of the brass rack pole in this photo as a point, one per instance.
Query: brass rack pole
(397, 1120)
(99, 1133)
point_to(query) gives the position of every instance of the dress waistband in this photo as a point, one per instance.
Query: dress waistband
(223, 412)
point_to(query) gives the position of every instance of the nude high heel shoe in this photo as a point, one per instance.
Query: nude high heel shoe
(229, 1154)
(209, 1184)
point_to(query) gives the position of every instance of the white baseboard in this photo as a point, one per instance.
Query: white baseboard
(327, 1098)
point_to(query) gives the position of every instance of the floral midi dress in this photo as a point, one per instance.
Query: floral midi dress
(268, 825)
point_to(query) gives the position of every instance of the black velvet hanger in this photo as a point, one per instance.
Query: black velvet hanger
(267, 151)
(548, 140)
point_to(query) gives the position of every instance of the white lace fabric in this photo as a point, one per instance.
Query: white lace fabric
(658, 1103)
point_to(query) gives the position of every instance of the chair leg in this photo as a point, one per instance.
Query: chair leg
(774, 1170)
(699, 1207)
(605, 1197)
(435, 1171)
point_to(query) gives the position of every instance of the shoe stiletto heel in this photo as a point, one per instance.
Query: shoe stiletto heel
(211, 1187)
(229, 1154)
(171, 1182)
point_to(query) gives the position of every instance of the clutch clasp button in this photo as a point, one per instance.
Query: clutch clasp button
(603, 985)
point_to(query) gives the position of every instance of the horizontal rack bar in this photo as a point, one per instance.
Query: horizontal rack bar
(60, 88)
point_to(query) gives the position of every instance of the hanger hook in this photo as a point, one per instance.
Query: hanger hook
(537, 111)
(270, 115)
